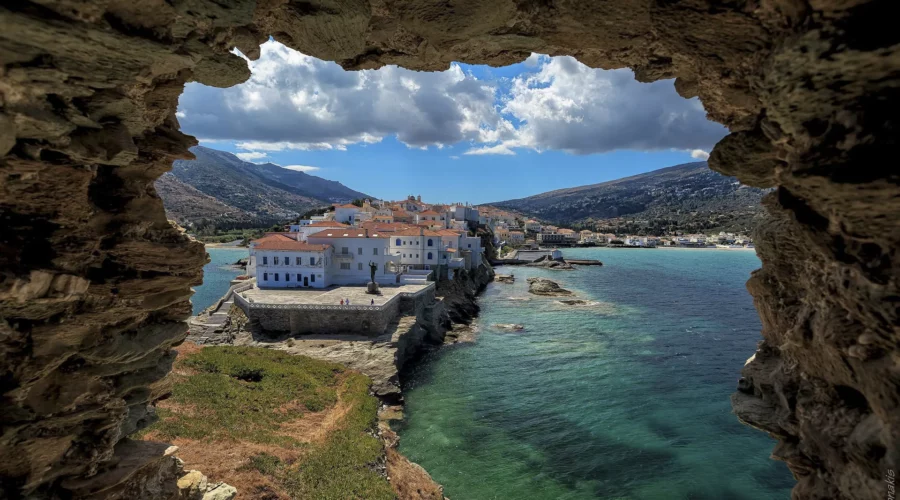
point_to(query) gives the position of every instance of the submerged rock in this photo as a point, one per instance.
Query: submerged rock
(574, 302)
(509, 327)
(545, 287)
(505, 278)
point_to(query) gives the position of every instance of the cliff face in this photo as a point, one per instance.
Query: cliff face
(96, 284)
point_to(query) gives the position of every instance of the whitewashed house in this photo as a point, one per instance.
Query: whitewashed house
(353, 249)
(418, 248)
(434, 220)
(345, 213)
(278, 260)
(315, 227)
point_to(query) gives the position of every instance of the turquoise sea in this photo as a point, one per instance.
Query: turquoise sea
(626, 398)
(217, 276)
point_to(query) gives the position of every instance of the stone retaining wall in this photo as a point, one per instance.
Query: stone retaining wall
(331, 320)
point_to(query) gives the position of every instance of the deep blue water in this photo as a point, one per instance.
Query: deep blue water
(217, 276)
(627, 398)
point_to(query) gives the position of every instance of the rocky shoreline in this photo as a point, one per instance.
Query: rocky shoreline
(447, 320)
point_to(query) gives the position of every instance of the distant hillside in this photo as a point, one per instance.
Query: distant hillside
(221, 189)
(688, 197)
(185, 203)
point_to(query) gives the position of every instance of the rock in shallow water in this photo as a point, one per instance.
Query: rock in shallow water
(549, 288)
(509, 327)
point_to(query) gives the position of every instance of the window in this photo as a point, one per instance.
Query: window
(276, 261)
(287, 276)
(429, 256)
(374, 251)
(345, 265)
(276, 276)
(470, 245)
(312, 277)
(417, 256)
(265, 276)
(398, 242)
(359, 266)
(345, 250)
(299, 260)
(430, 243)
(298, 277)
(359, 251)
(265, 260)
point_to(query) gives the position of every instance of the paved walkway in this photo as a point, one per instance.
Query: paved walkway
(330, 296)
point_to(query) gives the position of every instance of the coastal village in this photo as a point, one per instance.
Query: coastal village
(370, 284)
(368, 258)
(516, 232)
(374, 243)
(357, 268)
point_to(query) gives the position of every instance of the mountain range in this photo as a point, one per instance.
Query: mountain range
(688, 197)
(218, 188)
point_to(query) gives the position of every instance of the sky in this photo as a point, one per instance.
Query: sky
(469, 134)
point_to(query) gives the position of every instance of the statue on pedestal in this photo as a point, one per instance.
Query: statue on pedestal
(372, 287)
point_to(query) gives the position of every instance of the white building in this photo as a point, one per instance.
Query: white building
(551, 238)
(532, 225)
(279, 261)
(434, 220)
(345, 213)
(353, 249)
(329, 257)
(304, 231)
(418, 248)
(464, 213)
(301, 223)
(516, 238)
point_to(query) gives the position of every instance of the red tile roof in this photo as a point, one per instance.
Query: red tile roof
(351, 232)
(280, 241)
(328, 223)
(416, 232)
(374, 226)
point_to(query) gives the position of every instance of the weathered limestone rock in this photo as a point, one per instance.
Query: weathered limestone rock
(195, 486)
(547, 288)
(96, 283)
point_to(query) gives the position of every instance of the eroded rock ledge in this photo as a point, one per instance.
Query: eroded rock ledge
(95, 282)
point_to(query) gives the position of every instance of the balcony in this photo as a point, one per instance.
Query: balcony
(343, 257)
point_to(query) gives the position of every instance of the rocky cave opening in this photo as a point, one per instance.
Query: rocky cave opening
(96, 282)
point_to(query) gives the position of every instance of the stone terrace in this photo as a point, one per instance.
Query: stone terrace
(319, 312)
(328, 296)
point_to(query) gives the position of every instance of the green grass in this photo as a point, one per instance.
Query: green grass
(240, 393)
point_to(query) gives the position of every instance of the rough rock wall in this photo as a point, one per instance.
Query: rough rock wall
(95, 282)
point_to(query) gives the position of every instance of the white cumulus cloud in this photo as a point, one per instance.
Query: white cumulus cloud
(300, 168)
(294, 101)
(297, 102)
(499, 149)
(699, 154)
(252, 155)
